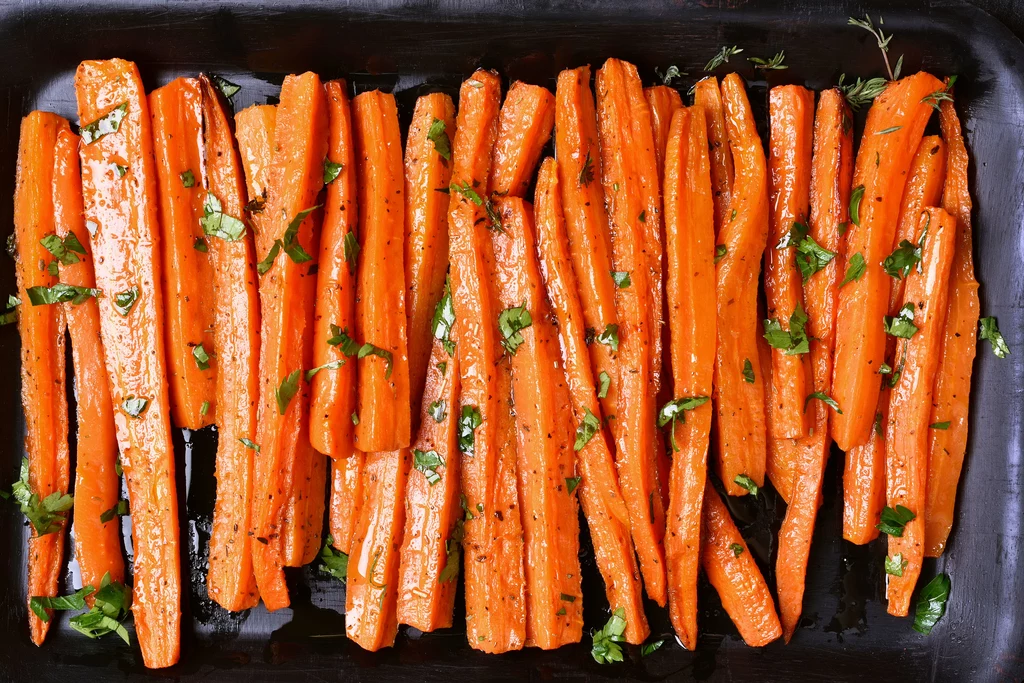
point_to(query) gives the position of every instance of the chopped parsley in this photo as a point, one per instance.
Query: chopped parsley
(931, 604)
(748, 371)
(793, 341)
(604, 383)
(610, 336)
(469, 420)
(439, 136)
(586, 429)
(745, 482)
(286, 391)
(105, 125)
(902, 324)
(125, 301)
(854, 269)
(201, 357)
(675, 410)
(511, 323)
(621, 278)
(605, 648)
(333, 562)
(134, 406)
(369, 349)
(824, 398)
(331, 171)
(443, 321)
(893, 520)
(427, 462)
(989, 329)
(855, 198)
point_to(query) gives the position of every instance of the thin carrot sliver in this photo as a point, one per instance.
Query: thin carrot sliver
(706, 94)
(254, 130)
(664, 102)
(346, 498)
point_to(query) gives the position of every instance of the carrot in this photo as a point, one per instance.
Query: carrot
(333, 388)
(739, 384)
(919, 351)
(42, 355)
(346, 498)
(524, 128)
(707, 95)
(690, 286)
(635, 337)
(664, 102)
(544, 432)
(287, 294)
(892, 133)
(427, 176)
(383, 391)
(187, 269)
(303, 515)
(952, 387)
(121, 216)
(254, 130)
(495, 589)
(97, 486)
(731, 569)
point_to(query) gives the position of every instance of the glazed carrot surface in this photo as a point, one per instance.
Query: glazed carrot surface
(120, 211)
(254, 131)
(708, 95)
(524, 128)
(663, 101)
(346, 498)
(950, 401)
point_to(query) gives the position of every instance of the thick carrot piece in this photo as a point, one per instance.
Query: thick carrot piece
(431, 548)
(371, 593)
(122, 211)
(892, 134)
(952, 387)
(346, 498)
(42, 352)
(303, 518)
(579, 172)
(707, 95)
(731, 569)
(544, 437)
(97, 486)
(427, 176)
(910, 407)
(634, 338)
(254, 130)
(524, 128)
(739, 384)
(177, 111)
(663, 101)
(690, 289)
(791, 113)
(493, 546)
(598, 486)
(383, 391)
(333, 389)
(287, 294)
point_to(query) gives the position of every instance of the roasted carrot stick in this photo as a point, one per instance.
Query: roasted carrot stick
(707, 95)
(634, 338)
(892, 133)
(287, 295)
(952, 386)
(254, 129)
(524, 128)
(186, 268)
(97, 486)
(733, 572)
(690, 287)
(346, 498)
(791, 113)
(123, 211)
(544, 436)
(495, 588)
(303, 517)
(579, 171)
(919, 352)
(428, 173)
(663, 101)
(333, 388)
(383, 391)
(42, 353)
(739, 384)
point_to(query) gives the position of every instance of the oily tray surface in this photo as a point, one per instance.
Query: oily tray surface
(413, 48)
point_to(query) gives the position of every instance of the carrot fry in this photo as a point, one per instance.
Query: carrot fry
(346, 498)
(952, 387)
(302, 520)
(731, 569)
(919, 351)
(690, 286)
(122, 211)
(427, 177)
(254, 130)
(383, 391)
(708, 96)
(622, 145)
(739, 383)
(187, 270)
(663, 101)
(97, 486)
(524, 128)
(287, 294)
(333, 388)
(493, 546)
(42, 352)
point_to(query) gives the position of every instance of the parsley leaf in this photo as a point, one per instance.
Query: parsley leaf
(110, 607)
(610, 336)
(250, 444)
(854, 269)
(226, 87)
(747, 483)
(263, 266)
(437, 410)
(47, 515)
(286, 391)
(290, 239)
(201, 357)
(511, 323)
(895, 565)
(989, 329)
(605, 647)
(427, 462)
(340, 338)
(352, 248)
(902, 259)
(855, 198)
(736, 549)
(59, 293)
(902, 324)
(334, 563)
(120, 508)
(125, 301)
(893, 521)
(822, 396)
(621, 278)
(188, 178)
(135, 406)
(66, 251)
(811, 257)
(586, 429)
(720, 252)
(931, 604)
(648, 648)
(793, 341)
(748, 371)
(571, 483)
(201, 245)
(439, 136)
(105, 125)
(468, 192)
(443, 321)
(453, 549)
(587, 172)
(331, 365)
(369, 349)
(605, 382)
(940, 425)
(676, 410)
(469, 420)
(39, 604)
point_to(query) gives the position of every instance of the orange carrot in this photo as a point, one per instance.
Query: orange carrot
(383, 391)
(428, 173)
(333, 388)
(524, 128)
(122, 211)
(493, 546)
(634, 338)
(707, 95)
(952, 387)
(690, 269)
(254, 130)
(919, 351)
(287, 294)
(42, 353)
(663, 101)
(187, 269)
(739, 384)
(346, 498)
(731, 569)
(303, 517)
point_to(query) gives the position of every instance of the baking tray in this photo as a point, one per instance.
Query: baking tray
(412, 47)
